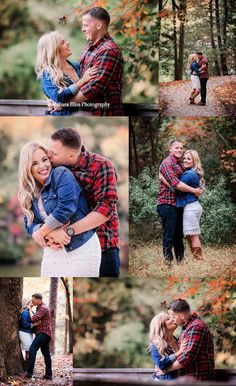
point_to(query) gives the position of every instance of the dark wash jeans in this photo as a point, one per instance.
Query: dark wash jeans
(110, 264)
(172, 222)
(41, 341)
(203, 82)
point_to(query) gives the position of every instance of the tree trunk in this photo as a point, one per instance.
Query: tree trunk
(213, 44)
(224, 52)
(134, 171)
(218, 28)
(176, 70)
(67, 289)
(11, 359)
(182, 18)
(53, 310)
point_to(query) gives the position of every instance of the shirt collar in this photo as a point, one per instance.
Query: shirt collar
(175, 160)
(100, 41)
(82, 160)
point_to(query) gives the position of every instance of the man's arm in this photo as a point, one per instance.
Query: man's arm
(107, 64)
(38, 315)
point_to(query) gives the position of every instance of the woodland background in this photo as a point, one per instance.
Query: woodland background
(133, 26)
(57, 295)
(19, 254)
(215, 140)
(111, 319)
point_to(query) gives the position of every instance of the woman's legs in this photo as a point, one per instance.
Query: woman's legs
(192, 96)
(195, 246)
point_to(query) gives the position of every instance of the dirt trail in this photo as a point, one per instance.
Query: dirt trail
(174, 98)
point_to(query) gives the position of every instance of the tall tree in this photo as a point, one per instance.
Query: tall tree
(53, 309)
(222, 48)
(11, 360)
(213, 44)
(179, 18)
(65, 282)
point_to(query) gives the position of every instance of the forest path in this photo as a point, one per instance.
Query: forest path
(221, 98)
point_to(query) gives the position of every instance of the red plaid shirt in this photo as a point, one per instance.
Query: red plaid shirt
(42, 313)
(97, 177)
(107, 86)
(198, 355)
(171, 168)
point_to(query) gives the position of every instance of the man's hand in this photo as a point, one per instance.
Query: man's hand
(37, 323)
(158, 371)
(39, 238)
(59, 236)
(52, 106)
(198, 191)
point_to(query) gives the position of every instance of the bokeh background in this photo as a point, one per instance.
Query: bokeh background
(133, 26)
(111, 318)
(19, 254)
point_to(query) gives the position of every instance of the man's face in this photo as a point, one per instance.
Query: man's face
(35, 302)
(200, 57)
(176, 149)
(177, 317)
(90, 27)
(59, 154)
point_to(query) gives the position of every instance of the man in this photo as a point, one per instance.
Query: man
(196, 359)
(172, 217)
(203, 75)
(42, 336)
(102, 95)
(97, 177)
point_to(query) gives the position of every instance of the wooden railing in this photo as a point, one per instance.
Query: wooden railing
(22, 107)
(142, 377)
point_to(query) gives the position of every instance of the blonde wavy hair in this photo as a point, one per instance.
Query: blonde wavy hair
(192, 58)
(28, 186)
(197, 165)
(48, 58)
(157, 333)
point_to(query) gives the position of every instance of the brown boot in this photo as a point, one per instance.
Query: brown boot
(197, 253)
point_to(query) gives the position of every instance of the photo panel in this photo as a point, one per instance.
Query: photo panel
(159, 213)
(107, 138)
(118, 326)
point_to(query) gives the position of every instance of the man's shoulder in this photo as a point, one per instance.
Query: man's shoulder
(99, 160)
(109, 45)
(167, 161)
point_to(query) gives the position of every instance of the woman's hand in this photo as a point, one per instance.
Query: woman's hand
(182, 347)
(89, 74)
(59, 236)
(39, 238)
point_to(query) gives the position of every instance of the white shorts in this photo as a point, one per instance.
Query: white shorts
(191, 218)
(195, 81)
(26, 339)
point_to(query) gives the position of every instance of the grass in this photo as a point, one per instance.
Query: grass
(146, 260)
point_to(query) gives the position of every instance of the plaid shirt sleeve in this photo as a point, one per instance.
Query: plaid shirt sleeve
(107, 62)
(105, 189)
(39, 314)
(195, 337)
(170, 174)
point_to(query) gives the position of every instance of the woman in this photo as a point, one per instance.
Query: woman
(50, 198)
(194, 177)
(163, 345)
(25, 329)
(60, 78)
(194, 71)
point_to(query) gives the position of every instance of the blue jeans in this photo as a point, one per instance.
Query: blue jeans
(41, 341)
(110, 264)
(203, 82)
(172, 223)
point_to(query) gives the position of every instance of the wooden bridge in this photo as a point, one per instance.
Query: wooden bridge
(21, 107)
(142, 377)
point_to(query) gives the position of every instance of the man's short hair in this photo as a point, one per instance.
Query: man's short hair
(99, 13)
(174, 140)
(68, 137)
(179, 305)
(37, 295)
(199, 52)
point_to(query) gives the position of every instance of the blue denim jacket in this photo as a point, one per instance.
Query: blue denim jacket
(25, 322)
(61, 96)
(194, 67)
(63, 201)
(191, 178)
(163, 362)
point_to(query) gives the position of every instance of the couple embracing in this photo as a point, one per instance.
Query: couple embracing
(191, 355)
(68, 196)
(94, 83)
(181, 181)
(198, 69)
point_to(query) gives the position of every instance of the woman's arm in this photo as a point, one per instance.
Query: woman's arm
(162, 362)
(53, 92)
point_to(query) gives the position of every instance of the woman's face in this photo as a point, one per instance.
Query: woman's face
(170, 324)
(65, 50)
(188, 161)
(41, 166)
